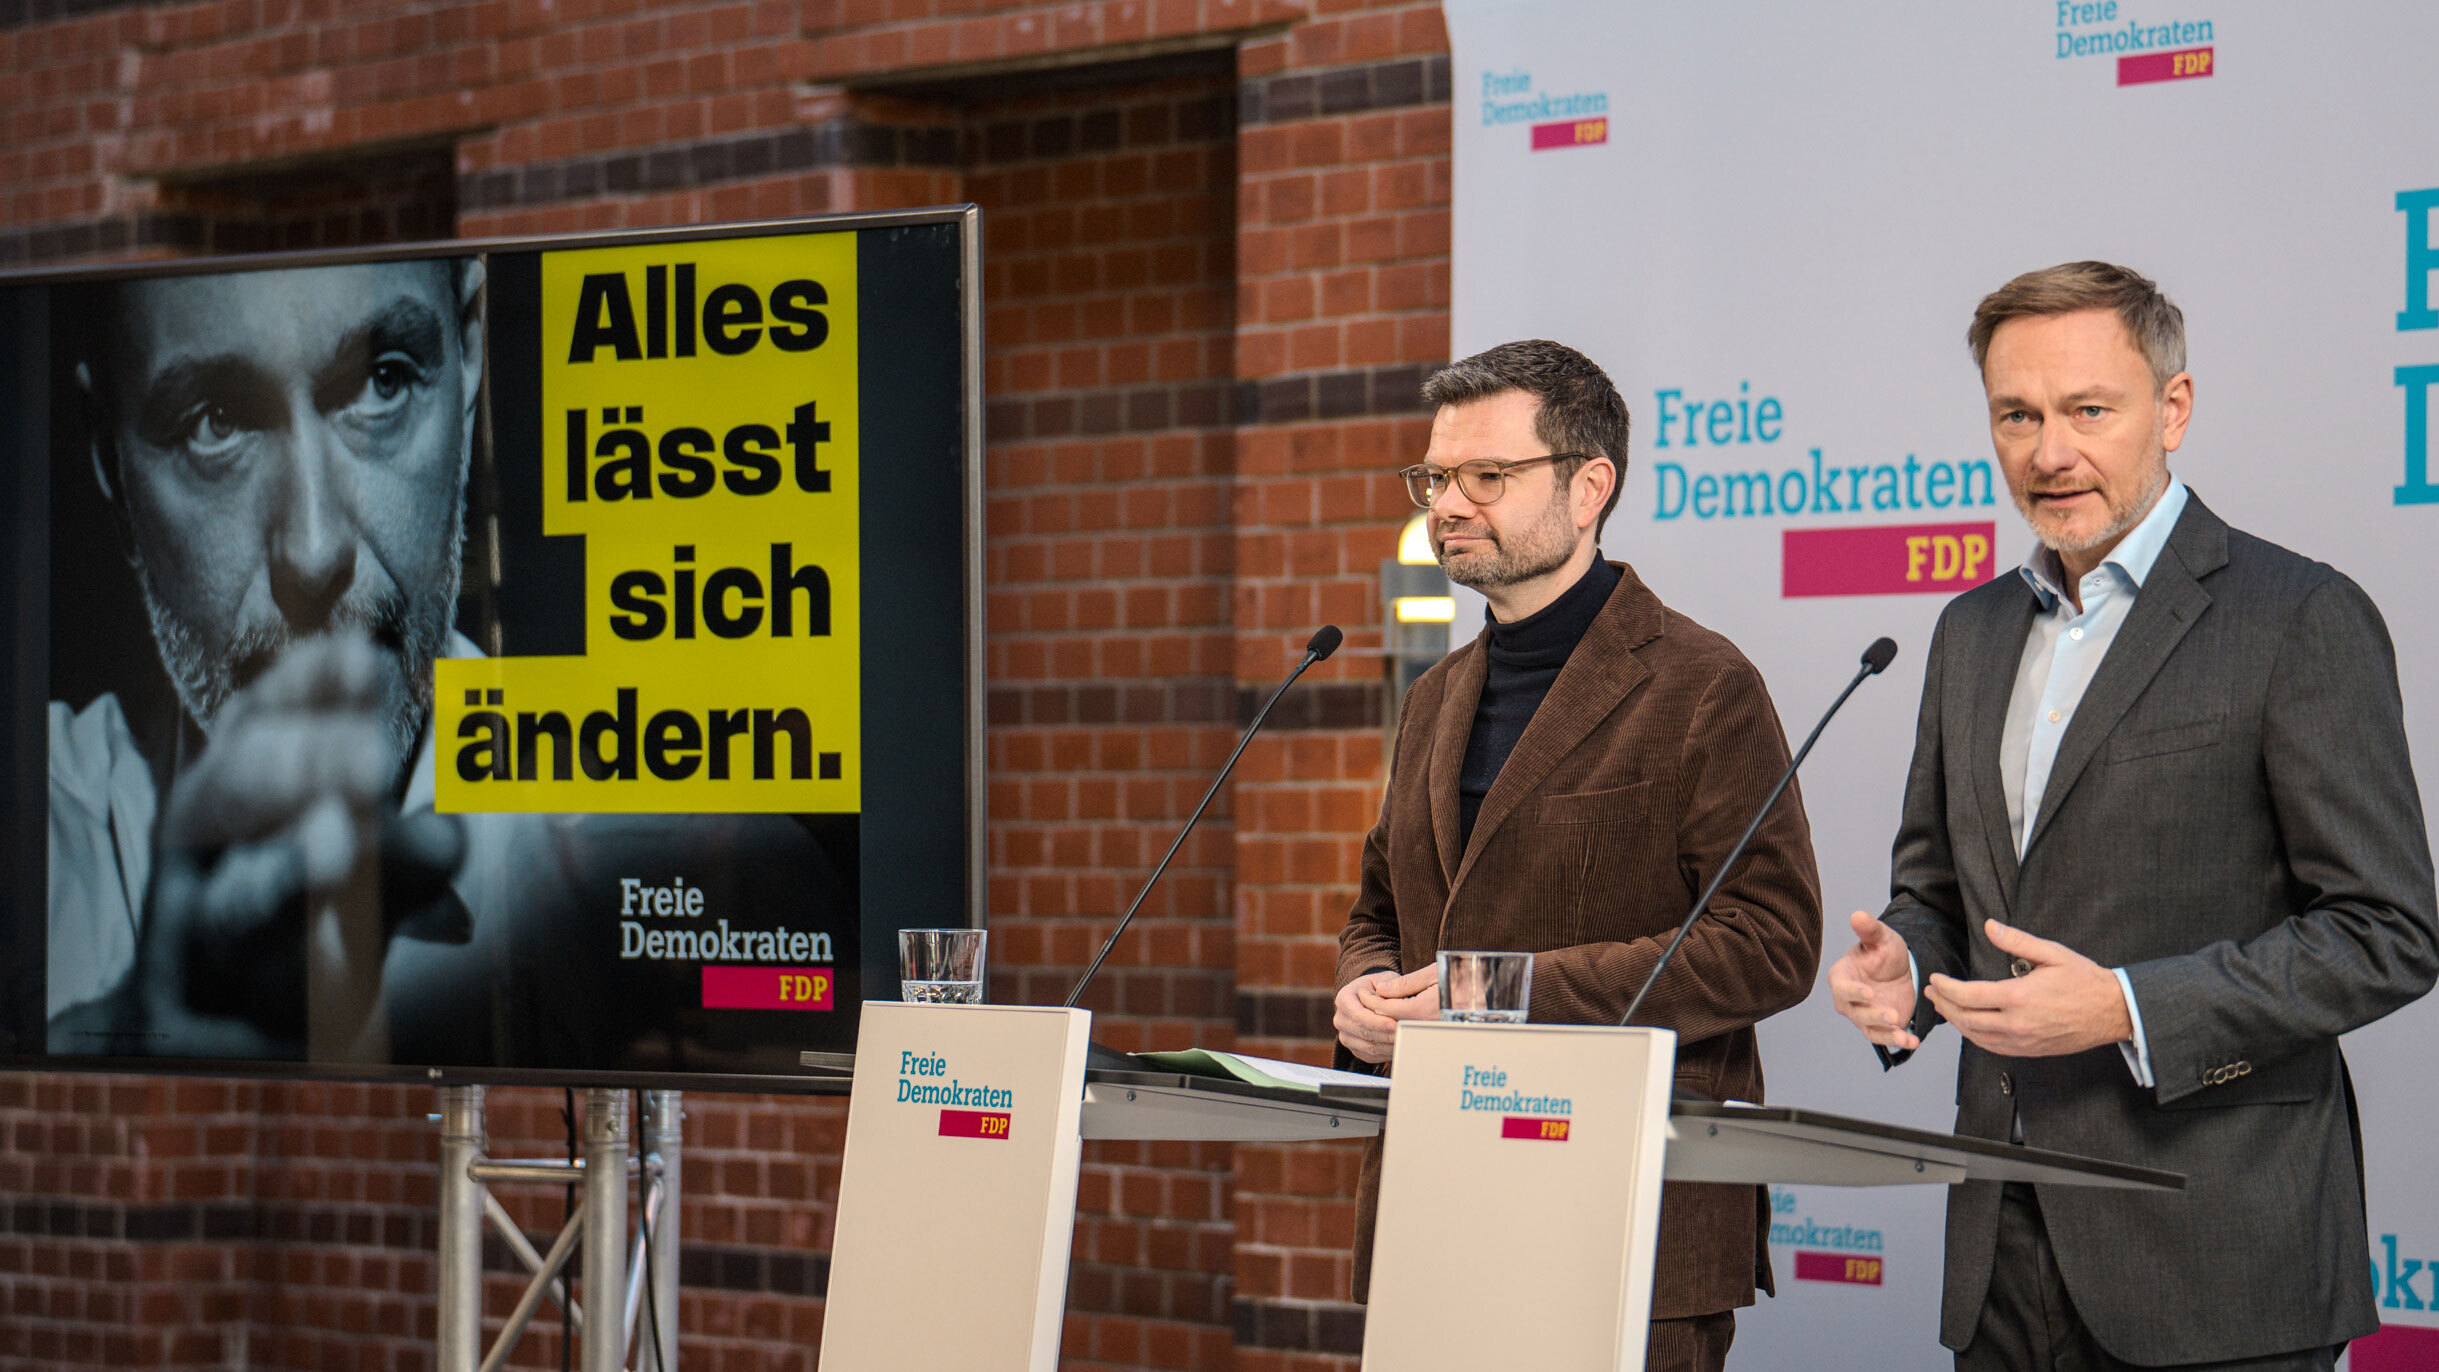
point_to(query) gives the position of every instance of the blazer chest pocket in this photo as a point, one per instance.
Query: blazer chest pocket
(1618, 805)
(2159, 740)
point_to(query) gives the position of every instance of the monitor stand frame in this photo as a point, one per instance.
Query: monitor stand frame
(599, 1225)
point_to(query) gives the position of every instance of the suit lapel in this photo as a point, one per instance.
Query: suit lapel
(1459, 698)
(1599, 673)
(2169, 602)
(1999, 657)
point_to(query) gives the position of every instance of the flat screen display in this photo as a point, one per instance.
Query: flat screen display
(529, 660)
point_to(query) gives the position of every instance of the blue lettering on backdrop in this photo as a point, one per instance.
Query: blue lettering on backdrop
(2399, 1293)
(1788, 1231)
(1724, 422)
(1814, 488)
(2421, 264)
(2129, 37)
(2417, 382)
(1533, 107)
(1824, 489)
(2421, 260)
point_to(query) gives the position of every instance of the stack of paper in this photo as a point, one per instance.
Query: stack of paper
(1206, 1062)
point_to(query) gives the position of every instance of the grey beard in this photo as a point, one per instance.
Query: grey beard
(2123, 521)
(205, 680)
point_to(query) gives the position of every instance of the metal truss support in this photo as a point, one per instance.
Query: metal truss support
(646, 1276)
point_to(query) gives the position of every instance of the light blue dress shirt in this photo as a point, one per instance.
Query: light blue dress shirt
(2061, 654)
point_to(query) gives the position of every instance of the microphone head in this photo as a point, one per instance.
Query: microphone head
(1325, 641)
(1880, 654)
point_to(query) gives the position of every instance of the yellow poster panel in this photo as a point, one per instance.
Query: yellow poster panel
(699, 431)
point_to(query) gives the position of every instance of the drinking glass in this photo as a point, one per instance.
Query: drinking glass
(1485, 987)
(941, 966)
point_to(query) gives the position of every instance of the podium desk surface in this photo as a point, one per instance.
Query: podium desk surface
(1724, 1141)
(1708, 1140)
(1121, 1104)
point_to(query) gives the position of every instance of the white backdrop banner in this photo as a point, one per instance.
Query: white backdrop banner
(1771, 222)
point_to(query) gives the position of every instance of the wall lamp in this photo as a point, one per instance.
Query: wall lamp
(1417, 598)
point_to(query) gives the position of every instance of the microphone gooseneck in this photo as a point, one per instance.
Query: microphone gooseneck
(1876, 659)
(1323, 643)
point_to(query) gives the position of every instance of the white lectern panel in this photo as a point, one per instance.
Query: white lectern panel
(1519, 1198)
(957, 1189)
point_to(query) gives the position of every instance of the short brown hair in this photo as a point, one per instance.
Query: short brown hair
(2151, 319)
(1581, 411)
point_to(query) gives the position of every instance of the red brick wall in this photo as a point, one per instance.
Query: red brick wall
(1109, 264)
(1342, 304)
(1212, 283)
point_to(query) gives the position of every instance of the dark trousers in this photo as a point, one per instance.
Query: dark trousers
(2030, 1325)
(1698, 1343)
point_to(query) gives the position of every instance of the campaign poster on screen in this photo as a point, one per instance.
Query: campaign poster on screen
(459, 659)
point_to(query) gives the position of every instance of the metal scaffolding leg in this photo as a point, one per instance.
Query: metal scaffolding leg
(461, 1230)
(664, 1137)
(605, 1227)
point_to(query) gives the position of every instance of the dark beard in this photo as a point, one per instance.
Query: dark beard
(1538, 551)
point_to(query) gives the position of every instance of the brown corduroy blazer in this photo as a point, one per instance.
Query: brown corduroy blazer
(1636, 775)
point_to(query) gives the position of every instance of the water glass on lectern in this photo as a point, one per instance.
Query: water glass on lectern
(941, 966)
(1485, 988)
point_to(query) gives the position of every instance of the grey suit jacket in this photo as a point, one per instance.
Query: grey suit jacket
(2233, 820)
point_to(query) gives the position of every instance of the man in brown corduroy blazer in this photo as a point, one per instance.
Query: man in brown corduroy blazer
(1565, 785)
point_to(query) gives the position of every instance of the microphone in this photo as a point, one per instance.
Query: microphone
(1320, 646)
(1876, 659)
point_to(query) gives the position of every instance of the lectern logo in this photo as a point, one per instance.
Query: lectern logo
(974, 1124)
(1533, 1127)
(1486, 1089)
(974, 1112)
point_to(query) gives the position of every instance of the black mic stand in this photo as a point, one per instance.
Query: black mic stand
(1875, 659)
(1323, 643)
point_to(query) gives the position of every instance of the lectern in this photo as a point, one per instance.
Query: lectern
(1522, 1182)
(940, 1173)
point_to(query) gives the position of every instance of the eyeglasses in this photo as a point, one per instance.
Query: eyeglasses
(1483, 480)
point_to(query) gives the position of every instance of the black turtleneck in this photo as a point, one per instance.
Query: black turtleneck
(1524, 659)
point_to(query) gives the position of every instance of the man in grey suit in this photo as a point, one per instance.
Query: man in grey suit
(2161, 847)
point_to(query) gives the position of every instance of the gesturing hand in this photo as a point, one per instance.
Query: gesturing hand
(2065, 1003)
(1369, 1008)
(1873, 985)
(276, 877)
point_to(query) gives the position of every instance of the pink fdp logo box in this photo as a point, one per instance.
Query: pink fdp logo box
(1838, 1267)
(1895, 559)
(1533, 1127)
(769, 988)
(974, 1124)
(2148, 67)
(1571, 133)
